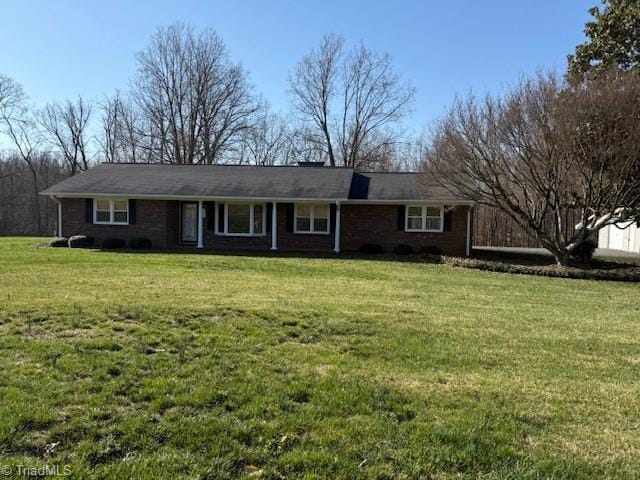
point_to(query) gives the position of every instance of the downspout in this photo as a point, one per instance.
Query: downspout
(59, 221)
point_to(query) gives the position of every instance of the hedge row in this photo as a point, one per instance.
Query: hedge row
(622, 274)
(402, 249)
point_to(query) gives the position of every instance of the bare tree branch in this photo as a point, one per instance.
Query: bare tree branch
(545, 149)
(351, 99)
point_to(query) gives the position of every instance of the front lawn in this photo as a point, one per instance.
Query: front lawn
(150, 365)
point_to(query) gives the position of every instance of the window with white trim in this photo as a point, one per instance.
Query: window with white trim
(311, 218)
(246, 219)
(424, 218)
(111, 211)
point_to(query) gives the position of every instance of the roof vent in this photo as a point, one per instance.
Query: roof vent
(310, 164)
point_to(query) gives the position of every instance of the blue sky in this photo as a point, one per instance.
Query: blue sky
(59, 49)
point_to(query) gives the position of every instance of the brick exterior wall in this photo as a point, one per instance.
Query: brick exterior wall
(301, 242)
(155, 219)
(159, 221)
(222, 242)
(379, 224)
(287, 241)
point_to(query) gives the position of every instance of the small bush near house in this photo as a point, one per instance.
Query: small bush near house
(59, 242)
(81, 241)
(584, 252)
(403, 249)
(430, 250)
(140, 243)
(371, 248)
(113, 243)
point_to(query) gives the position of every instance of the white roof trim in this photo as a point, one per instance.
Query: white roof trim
(189, 197)
(260, 199)
(434, 201)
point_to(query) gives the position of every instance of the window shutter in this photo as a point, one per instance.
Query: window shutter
(132, 212)
(332, 218)
(269, 217)
(88, 210)
(289, 217)
(401, 217)
(221, 217)
(210, 208)
(447, 221)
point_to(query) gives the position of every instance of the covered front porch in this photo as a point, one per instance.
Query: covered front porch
(260, 225)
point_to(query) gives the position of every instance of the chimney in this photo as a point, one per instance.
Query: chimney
(310, 164)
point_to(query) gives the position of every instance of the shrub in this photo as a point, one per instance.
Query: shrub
(113, 243)
(59, 242)
(403, 249)
(584, 251)
(371, 248)
(430, 250)
(620, 275)
(139, 243)
(81, 241)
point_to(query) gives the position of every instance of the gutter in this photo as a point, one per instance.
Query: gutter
(399, 201)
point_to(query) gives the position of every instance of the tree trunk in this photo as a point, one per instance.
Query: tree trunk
(561, 257)
(36, 200)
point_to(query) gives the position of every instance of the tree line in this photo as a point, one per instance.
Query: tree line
(190, 103)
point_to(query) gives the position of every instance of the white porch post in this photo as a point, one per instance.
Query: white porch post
(468, 249)
(59, 219)
(59, 229)
(274, 226)
(200, 225)
(336, 247)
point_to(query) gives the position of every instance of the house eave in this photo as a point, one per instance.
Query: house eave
(400, 201)
(190, 197)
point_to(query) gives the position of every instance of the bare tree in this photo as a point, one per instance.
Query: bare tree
(373, 98)
(193, 102)
(313, 85)
(351, 100)
(67, 130)
(266, 142)
(18, 202)
(303, 145)
(12, 98)
(111, 135)
(545, 149)
(412, 155)
(123, 137)
(18, 124)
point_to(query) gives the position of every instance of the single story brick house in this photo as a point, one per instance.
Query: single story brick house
(284, 208)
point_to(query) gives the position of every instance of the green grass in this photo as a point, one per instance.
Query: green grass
(149, 365)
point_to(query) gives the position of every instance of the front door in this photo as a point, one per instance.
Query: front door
(189, 223)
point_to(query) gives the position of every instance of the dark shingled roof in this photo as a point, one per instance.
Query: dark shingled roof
(400, 186)
(279, 183)
(209, 181)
